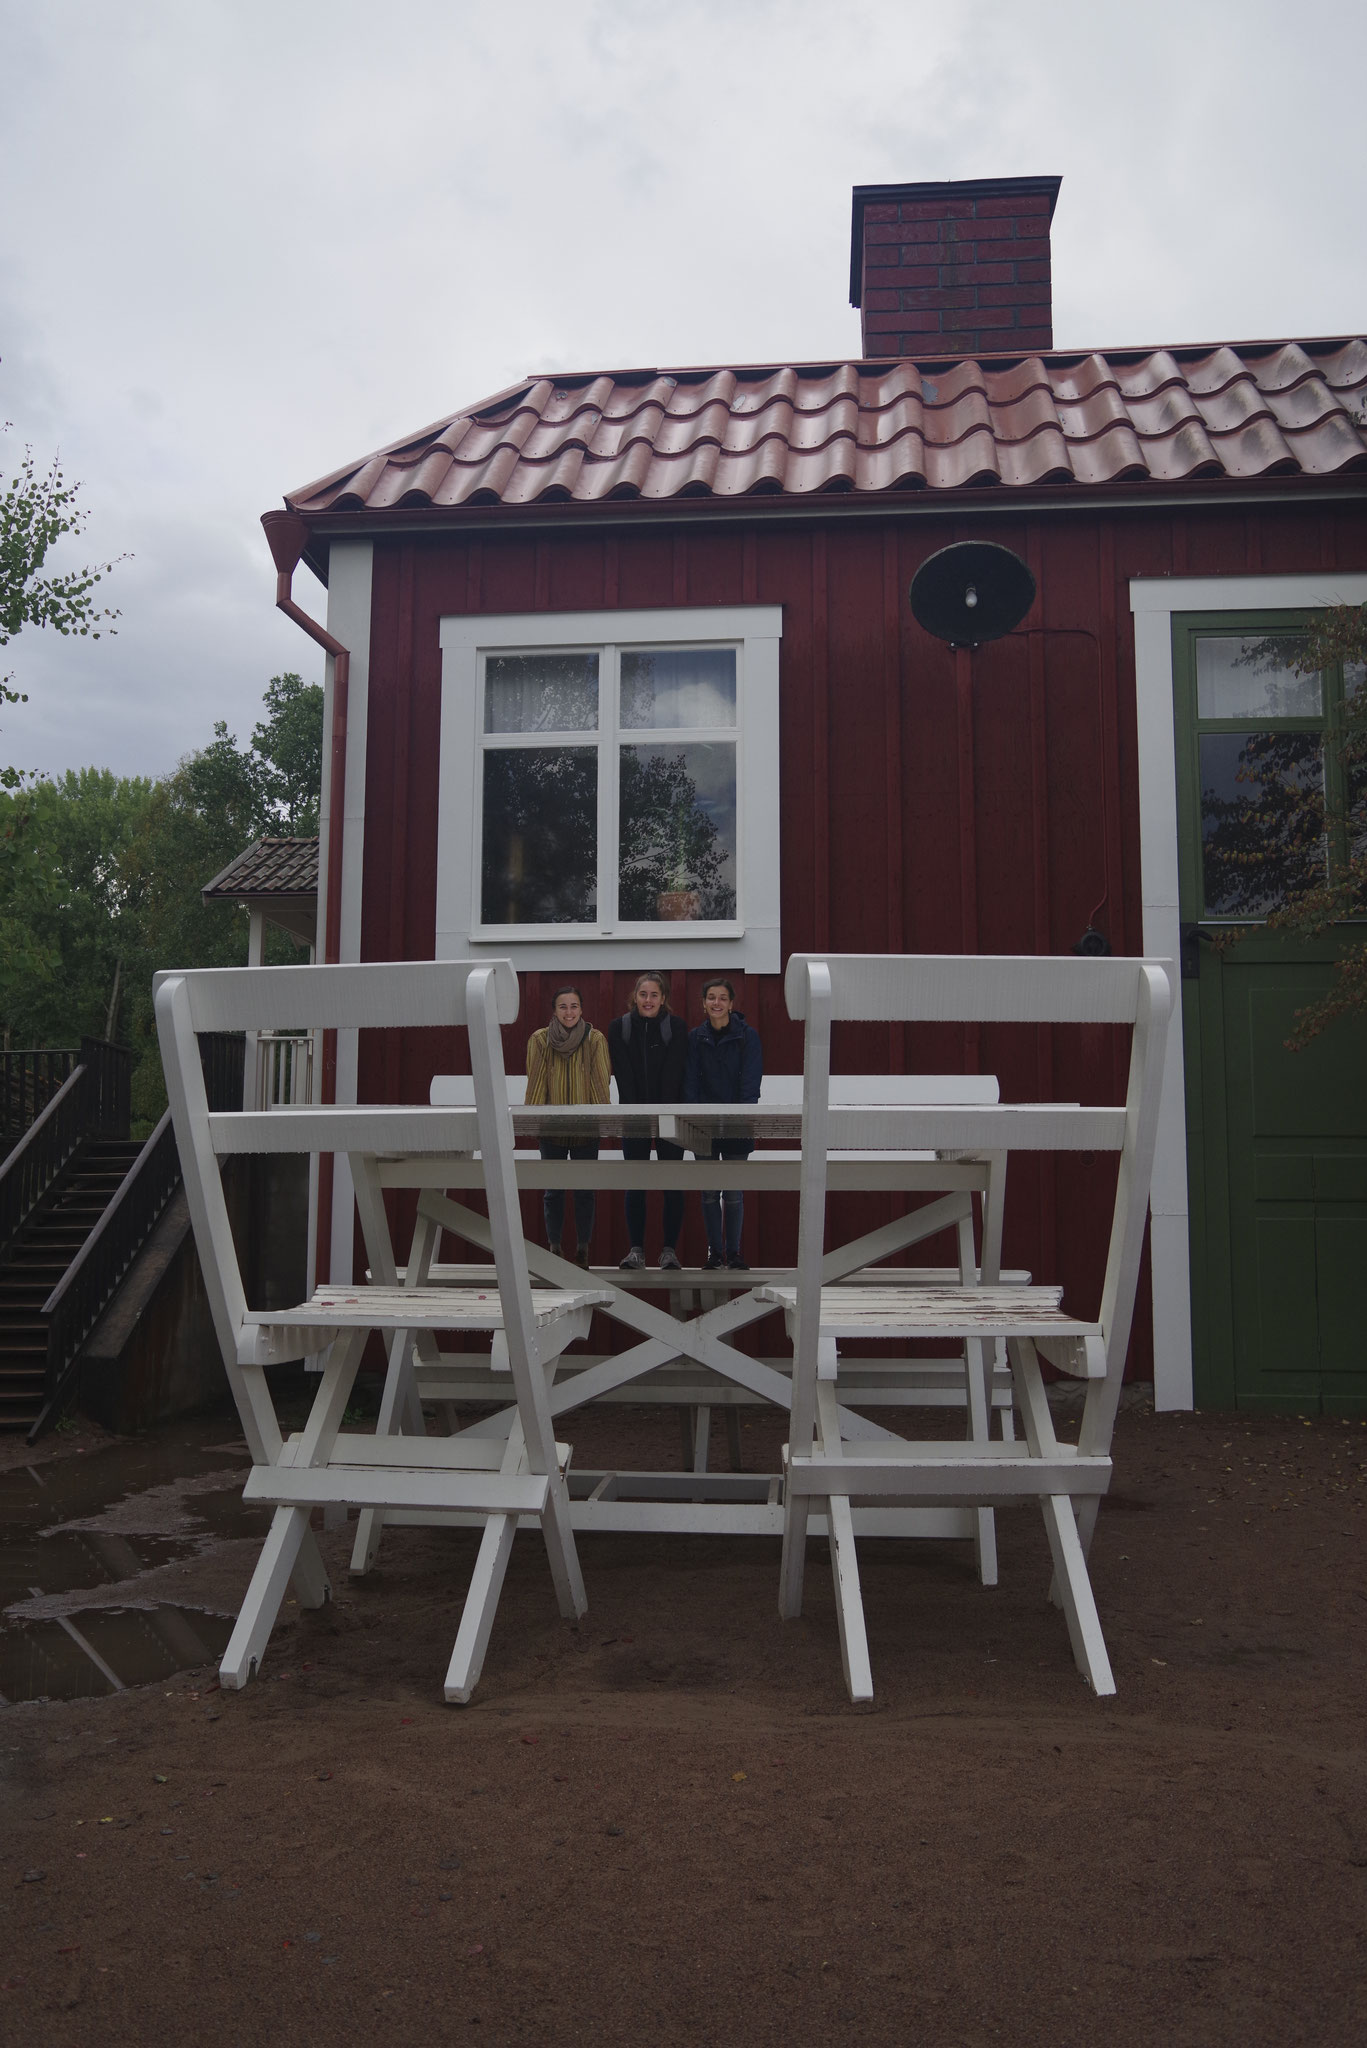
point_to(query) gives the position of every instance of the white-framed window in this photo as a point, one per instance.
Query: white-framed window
(609, 782)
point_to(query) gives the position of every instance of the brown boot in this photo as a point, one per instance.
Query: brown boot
(581, 1257)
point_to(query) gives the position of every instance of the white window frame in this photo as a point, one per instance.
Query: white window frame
(750, 942)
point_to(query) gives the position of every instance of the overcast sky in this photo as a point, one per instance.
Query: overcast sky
(241, 244)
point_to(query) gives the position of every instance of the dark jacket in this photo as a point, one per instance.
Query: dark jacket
(648, 1065)
(724, 1066)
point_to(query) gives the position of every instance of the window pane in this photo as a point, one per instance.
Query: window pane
(678, 832)
(1253, 677)
(1262, 819)
(678, 686)
(541, 693)
(540, 863)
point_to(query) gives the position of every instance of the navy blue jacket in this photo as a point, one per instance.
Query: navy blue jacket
(724, 1066)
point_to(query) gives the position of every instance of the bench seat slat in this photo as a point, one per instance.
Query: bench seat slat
(979, 1477)
(407, 1308)
(915, 1312)
(360, 1486)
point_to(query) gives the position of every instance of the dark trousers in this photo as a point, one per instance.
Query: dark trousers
(553, 1199)
(639, 1148)
(726, 1207)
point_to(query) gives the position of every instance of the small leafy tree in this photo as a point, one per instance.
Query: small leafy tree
(288, 748)
(1337, 635)
(35, 512)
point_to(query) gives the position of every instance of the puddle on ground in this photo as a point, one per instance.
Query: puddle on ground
(101, 1519)
(59, 1561)
(88, 1482)
(99, 1650)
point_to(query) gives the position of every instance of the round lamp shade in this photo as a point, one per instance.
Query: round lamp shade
(971, 592)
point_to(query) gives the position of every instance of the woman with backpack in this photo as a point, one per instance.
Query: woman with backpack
(725, 1064)
(567, 1061)
(649, 1050)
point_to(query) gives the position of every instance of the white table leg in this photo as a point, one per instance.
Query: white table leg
(251, 1632)
(978, 1400)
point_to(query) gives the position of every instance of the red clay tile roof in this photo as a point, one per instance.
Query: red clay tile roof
(1165, 417)
(269, 867)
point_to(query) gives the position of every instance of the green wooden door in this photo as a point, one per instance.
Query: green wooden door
(1277, 1140)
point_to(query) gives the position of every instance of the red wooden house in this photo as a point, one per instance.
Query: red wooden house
(632, 680)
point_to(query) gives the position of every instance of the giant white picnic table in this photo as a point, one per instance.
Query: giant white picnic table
(844, 1471)
(687, 1359)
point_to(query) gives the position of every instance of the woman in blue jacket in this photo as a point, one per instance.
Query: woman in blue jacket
(725, 1064)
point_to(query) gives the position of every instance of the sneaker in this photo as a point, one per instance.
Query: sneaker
(713, 1263)
(581, 1257)
(633, 1261)
(737, 1264)
(669, 1260)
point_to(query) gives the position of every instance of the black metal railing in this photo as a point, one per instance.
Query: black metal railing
(93, 1101)
(102, 1264)
(48, 1145)
(94, 1276)
(29, 1079)
(111, 1088)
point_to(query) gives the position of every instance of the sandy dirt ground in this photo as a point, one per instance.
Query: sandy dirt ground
(667, 1824)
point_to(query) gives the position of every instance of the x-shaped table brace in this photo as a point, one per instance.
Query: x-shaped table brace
(667, 1337)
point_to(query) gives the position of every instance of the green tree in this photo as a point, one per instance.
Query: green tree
(36, 511)
(100, 881)
(1337, 636)
(288, 745)
(68, 908)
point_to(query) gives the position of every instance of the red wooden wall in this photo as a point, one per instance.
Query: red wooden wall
(883, 758)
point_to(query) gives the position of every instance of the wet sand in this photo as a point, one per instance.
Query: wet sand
(669, 1824)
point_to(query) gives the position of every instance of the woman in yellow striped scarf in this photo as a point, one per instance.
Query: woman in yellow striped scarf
(567, 1061)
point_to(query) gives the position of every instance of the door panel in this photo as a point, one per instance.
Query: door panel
(1277, 1140)
(1292, 1178)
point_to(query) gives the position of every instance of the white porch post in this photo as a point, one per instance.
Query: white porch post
(348, 620)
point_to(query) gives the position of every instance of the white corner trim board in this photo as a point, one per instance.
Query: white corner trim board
(751, 945)
(1154, 601)
(350, 571)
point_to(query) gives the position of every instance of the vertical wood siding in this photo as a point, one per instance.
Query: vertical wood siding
(872, 802)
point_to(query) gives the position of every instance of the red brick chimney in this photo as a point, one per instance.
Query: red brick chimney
(954, 270)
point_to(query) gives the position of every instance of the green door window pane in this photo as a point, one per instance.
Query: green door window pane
(1263, 835)
(1252, 675)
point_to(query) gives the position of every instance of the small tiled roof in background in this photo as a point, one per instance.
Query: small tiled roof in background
(268, 868)
(1165, 417)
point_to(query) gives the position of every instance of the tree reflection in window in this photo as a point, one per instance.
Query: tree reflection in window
(540, 858)
(1262, 820)
(677, 832)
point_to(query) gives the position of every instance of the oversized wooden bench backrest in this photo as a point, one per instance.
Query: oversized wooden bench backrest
(380, 995)
(988, 989)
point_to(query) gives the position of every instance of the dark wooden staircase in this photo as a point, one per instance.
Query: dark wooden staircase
(79, 1203)
(39, 1257)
